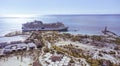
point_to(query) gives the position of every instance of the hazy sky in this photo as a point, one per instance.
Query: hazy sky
(59, 6)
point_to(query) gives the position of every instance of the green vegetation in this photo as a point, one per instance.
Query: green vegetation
(94, 62)
(117, 41)
(96, 38)
(77, 53)
(46, 50)
(72, 61)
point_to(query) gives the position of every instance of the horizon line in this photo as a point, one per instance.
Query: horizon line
(52, 15)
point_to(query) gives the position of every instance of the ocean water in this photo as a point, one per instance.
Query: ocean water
(78, 24)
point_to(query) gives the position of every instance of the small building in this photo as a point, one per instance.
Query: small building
(16, 46)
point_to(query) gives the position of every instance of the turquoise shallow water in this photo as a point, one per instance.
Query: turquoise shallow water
(78, 24)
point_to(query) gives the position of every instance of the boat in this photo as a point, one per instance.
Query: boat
(40, 26)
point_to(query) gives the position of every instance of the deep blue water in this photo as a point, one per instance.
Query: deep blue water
(82, 24)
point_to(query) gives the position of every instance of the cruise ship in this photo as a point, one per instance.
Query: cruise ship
(40, 26)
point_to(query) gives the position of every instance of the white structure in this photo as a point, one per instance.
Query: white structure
(16, 46)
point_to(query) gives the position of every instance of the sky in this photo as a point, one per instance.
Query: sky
(42, 7)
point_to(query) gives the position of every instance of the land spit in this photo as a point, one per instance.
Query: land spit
(56, 48)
